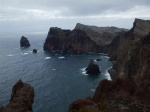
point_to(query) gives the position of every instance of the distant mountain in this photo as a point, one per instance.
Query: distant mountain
(101, 35)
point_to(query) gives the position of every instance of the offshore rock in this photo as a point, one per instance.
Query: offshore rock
(92, 68)
(24, 42)
(22, 98)
(34, 51)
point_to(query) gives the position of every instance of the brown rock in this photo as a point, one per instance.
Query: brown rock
(80, 104)
(21, 98)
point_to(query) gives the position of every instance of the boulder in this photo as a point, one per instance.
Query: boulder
(34, 51)
(21, 98)
(92, 68)
(24, 42)
(98, 59)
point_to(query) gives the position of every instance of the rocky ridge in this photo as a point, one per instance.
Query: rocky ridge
(75, 41)
(130, 89)
(22, 98)
(82, 39)
(101, 35)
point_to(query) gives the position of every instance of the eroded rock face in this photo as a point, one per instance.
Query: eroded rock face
(75, 41)
(101, 35)
(22, 98)
(132, 81)
(92, 68)
(24, 42)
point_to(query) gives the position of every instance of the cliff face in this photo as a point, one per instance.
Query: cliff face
(101, 35)
(75, 41)
(21, 98)
(132, 54)
(131, 86)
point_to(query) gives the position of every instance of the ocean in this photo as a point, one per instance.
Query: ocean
(57, 80)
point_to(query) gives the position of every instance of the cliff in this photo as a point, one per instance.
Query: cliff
(101, 35)
(75, 41)
(82, 39)
(132, 54)
(22, 98)
(130, 89)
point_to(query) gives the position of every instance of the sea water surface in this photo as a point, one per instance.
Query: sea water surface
(57, 80)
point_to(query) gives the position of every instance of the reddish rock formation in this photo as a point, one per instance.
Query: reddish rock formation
(21, 98)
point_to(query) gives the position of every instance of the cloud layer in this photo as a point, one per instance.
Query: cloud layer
(54, 12)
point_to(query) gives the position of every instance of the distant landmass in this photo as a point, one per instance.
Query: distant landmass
(82, 39)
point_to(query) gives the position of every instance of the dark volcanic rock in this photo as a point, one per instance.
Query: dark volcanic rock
(75, 41)
(24, 42)
(101, 35)
(98, 59)
(92, 68)
(131, 84)
(34, 51)
(22, 98)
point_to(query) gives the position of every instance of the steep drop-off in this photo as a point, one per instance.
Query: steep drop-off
(101, 35)
(75, 41)
(82, 39)
(22, 98)
(129, 91)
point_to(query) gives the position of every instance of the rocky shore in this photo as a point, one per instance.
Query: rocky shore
(129, 90)
(22, 98)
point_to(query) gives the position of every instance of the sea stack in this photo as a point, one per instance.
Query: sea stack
(24, 42)
(92, 68)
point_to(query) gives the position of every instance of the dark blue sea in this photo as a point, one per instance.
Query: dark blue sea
(57, 80)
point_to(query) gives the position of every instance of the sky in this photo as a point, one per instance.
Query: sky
(37, 16)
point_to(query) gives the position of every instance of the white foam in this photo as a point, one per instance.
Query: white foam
(56, 54)
(61, 57)
(93, 90)
(47, 57)
(24, 53)
(84, 71)
(53, 69)
(107, 74)
(10, 55)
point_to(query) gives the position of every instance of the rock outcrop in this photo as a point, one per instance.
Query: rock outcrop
(24, 42)
(101, 35)
(75, 41)
(34, 51)
(82, 39)
(22, 98)
(92, 68)
(130, 88)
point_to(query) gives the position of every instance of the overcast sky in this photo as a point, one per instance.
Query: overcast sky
(32, 16)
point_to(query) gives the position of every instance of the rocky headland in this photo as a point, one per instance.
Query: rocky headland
(82, 39)
(24, 42)
(22, 98)
(129, 90)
